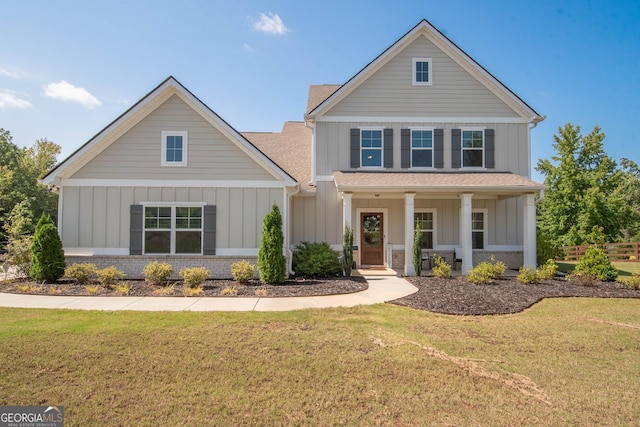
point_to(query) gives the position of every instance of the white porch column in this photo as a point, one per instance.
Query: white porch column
(529, 235)
(346, 210)
(465, 233)
(408, 234)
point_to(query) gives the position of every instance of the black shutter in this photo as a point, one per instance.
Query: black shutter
(355, 148)
(489, 148)
(405, 148)
(438, 148)
(135, 230)
(209, 231)
(388, 148)
(456, 142)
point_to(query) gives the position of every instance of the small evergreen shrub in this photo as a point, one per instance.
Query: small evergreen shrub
(440, 268)
(548, 270)
(194, 276)
(596, 263)
(83, 273)
(347, 250)
(485, 272)
(242, 271)
(416, 250)
(109, 275)
(157, 273)
(632, 282)
(19, 255)
(312, 260)
(528, 275)
(272, 264)
(47, 256)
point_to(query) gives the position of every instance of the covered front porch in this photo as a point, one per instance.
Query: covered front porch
(465, 218)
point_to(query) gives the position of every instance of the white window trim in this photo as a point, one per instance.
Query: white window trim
(418, 168)
(462, 149)
(381, 129)
(185, 144)
(435, 225)
(413, 71)
(172, 230)
(485, 233)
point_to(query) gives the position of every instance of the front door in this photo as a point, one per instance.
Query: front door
(371, 239)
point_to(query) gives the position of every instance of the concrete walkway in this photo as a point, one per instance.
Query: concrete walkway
(383, 286)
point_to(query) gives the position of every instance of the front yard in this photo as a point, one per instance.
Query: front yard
(563, 361)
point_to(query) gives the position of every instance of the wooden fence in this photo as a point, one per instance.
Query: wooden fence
(619, 252)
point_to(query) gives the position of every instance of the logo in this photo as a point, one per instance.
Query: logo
(31, 416)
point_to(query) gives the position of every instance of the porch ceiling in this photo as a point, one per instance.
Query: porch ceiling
(495, 183)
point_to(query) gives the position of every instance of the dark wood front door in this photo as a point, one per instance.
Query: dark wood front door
(371, 239)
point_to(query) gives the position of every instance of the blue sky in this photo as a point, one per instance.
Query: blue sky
(68, 68)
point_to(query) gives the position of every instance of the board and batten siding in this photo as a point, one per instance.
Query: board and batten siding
(98, 217)
(453, 93)
(333, 148)
(137, 153)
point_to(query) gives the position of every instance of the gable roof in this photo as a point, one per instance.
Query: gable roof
(317, 95)
(139, 111)
(425, 28)
(290, 148)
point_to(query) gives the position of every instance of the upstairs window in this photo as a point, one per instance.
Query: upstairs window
(371, 148)
(472, 148)
(421, 148)
(422, 72)
(174, 148)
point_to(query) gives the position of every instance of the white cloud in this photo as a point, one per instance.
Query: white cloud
(248, 48)
(7, 73)
(9, 100)
(65, 91)
(271, 24)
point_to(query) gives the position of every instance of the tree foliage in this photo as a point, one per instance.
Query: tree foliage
(584, 191)
(272, 265)
(22, 198)
(417, 250)
(347, 250)
(47, 256)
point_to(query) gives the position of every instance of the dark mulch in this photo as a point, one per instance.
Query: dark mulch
(457, 296)
(211, 288)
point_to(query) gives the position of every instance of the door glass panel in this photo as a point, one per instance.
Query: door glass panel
(371, 230)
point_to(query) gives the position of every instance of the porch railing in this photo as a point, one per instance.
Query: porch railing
(619, 252)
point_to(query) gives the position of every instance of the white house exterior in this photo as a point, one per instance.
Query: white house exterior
(422, 135)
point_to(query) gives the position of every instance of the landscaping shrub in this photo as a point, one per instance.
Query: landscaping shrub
(485, 272)
(47, 256)
(194, 276)
(347, 250)
(528, 275)
(632, 282)
(417, 250)
(316, 260)
(122, 288)
(109, 275)
(192, 291)
(596, 263)
(242, 271)
(19, 255)
(83, 273)
(272, 265)
(92, 289)
(229, 291)
(440, 268)
(548, 270)
(157, 273)
(582, 278)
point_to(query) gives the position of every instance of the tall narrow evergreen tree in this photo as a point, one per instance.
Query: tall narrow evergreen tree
(272, 265)
(347, 250)
(47, 256)
(417, 249)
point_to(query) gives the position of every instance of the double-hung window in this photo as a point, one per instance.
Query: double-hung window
(421, 148)
(425, 222)
(371, 147)
(478, 229)
(422, 72)
(172, 229)
(472, 148)
(174, 148)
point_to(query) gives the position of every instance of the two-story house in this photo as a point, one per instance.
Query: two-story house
(422, 136)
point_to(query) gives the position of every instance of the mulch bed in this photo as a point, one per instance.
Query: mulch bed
(211, 288)
(505, 296)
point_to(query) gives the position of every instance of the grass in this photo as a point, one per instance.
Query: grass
(624, 268)
(569, 361)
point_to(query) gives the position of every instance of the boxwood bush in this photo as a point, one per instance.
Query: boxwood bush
(312, 259)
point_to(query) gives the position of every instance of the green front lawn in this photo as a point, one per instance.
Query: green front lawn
(569, 361)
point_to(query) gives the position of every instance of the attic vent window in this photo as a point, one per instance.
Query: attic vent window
(422, 72)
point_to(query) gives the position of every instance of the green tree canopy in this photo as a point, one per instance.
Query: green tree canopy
(22, 198)
(584, 190)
